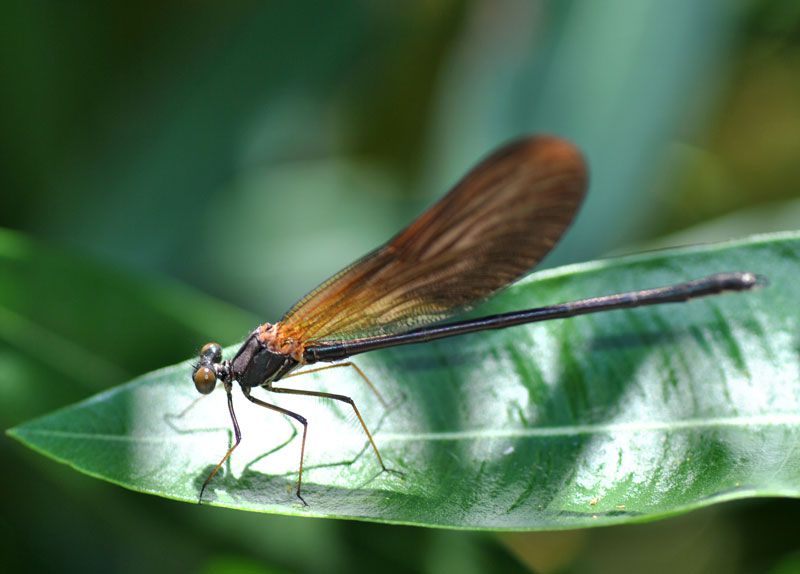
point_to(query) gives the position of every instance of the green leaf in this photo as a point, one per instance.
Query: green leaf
(609, 418)
(69, 326)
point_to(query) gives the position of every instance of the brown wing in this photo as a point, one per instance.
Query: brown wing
(492, 227)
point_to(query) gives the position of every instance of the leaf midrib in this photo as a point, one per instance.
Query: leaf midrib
(771, 420)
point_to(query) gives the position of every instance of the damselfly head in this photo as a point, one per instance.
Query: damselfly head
(211, 352)
(209, 369)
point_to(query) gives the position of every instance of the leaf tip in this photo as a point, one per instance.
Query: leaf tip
(14, 433)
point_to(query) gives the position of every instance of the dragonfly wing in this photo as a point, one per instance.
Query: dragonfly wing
(500, 220)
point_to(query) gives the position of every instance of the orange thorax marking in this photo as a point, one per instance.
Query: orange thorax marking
(281, 340)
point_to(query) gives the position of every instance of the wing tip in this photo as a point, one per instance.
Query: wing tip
(551, 148)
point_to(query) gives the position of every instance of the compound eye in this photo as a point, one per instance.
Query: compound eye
(205, 380)
(212, 351)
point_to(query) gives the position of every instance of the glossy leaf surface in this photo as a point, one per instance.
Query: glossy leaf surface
(610, 418)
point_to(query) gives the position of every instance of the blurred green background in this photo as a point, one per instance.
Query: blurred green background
(165, 164)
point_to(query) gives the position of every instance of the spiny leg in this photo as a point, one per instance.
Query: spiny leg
(237, 433)
(347, 364)
(343, 399)
(296, 417)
